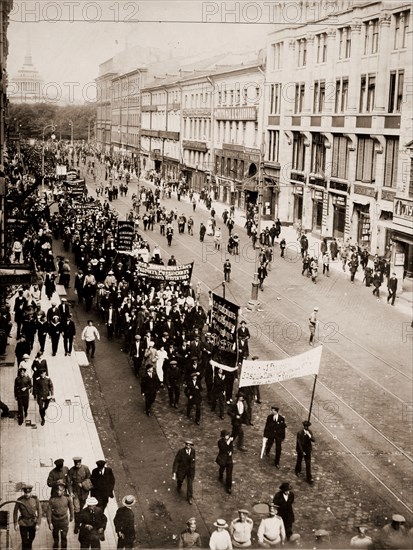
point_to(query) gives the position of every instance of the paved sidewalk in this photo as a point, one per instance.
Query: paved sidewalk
(27, 452)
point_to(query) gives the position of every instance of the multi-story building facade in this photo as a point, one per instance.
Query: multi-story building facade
(104, 94)
(338, 119)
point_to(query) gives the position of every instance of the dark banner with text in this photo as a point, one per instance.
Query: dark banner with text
(224, 320)
(125, 235)
(167, 273)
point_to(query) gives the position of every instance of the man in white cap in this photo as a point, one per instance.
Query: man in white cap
(220, 538)
(240, 529)
(361, 540)
(394, 535)
(271, 531)
(124, 522)
(313, 325)
(92, 525)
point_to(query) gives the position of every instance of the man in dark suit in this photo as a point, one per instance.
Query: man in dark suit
(304, 448)
(137, 350)
(111, 320)
(53, 311)
(184, 467)
(224, 459)
(243, 336)
(284, 500)
(195, 348)
(103, 482)
(64, 310)
(218, 392)
(193, 393)
(92, 523)
(68, 332)
(239, 417)
(392, 288)
(274, 431)
(149, 388)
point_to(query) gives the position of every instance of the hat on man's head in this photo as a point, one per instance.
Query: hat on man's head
(21, 369)
(26, 356)
(306, 423)
(224, 433)
(77, 459)
(275, 408)
(188, 442)
(221, 523)
(191, 520)
(243, 511)
(285, 486)
(128, 501)
(100, 463)
(91, 501)
(59, 462)
(63, 299)
(26, 487)
(196, 373)
(398, 518)
(322, 533)
(316, 308)
(173, 362)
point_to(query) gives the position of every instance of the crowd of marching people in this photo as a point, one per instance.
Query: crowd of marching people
(164, 330)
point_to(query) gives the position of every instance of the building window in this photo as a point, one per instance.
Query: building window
(391, 162)
(341, 95)
(318, 154)
(344, 42)
(275, 99)
(367, 93)
(299, 98)
(411, 179)
(340, 157)
(298, 152)
(366, 160)
(273, 145)
(319, 96)
(396, 91)
(371, 36)
(277, 52)
(302, 52)
(321, 47)
(401, 28)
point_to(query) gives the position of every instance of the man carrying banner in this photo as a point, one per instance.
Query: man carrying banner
(304, 447)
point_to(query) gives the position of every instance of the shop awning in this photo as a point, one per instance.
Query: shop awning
(363, 201)
(249, 185)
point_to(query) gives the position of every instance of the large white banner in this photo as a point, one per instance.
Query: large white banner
(258, 373)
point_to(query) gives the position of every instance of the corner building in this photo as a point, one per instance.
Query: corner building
(338, 125)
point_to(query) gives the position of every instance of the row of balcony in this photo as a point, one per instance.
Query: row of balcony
(375, 122)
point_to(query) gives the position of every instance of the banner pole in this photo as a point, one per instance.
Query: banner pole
(312, 397)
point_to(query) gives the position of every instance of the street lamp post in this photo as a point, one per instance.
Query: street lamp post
(52, 126)
(71, 132)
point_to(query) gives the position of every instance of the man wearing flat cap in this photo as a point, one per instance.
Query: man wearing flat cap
(92, 525)
(184, 467)
(304, 448)
(27, 516)
(271, 531)
(103, 482)
(59, 476)
(240, 529)
(79, 479)
(394, 535)
(189, 538)
(284, 499)
(173, 378)
(22, 387)
(274, 432)
(124, 522)
(59, 514)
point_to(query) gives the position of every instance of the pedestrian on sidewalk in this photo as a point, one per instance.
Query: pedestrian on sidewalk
(376, 283)
(218, 239)
(313, 321)
(225, 459)
(92, 525)
(190, 224)
(220, 538)
(189, 538)
(240, 529)
(314, 269)
(184, 467)
(59, 514)
(149, 388)
(103, 482)
(89, 335)
(54, 330)
(43, 390)
(59, 476)
(69, 332)
(124, 523)
(326, 264)
(353, 265)
(262, 274)
(392, 288)
(283, 246)
(303, 448)
(202, 231)
(79, 480)
(227, 271)
(22, 387)
(27, 516)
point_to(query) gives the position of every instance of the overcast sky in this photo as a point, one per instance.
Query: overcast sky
(68, 39)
